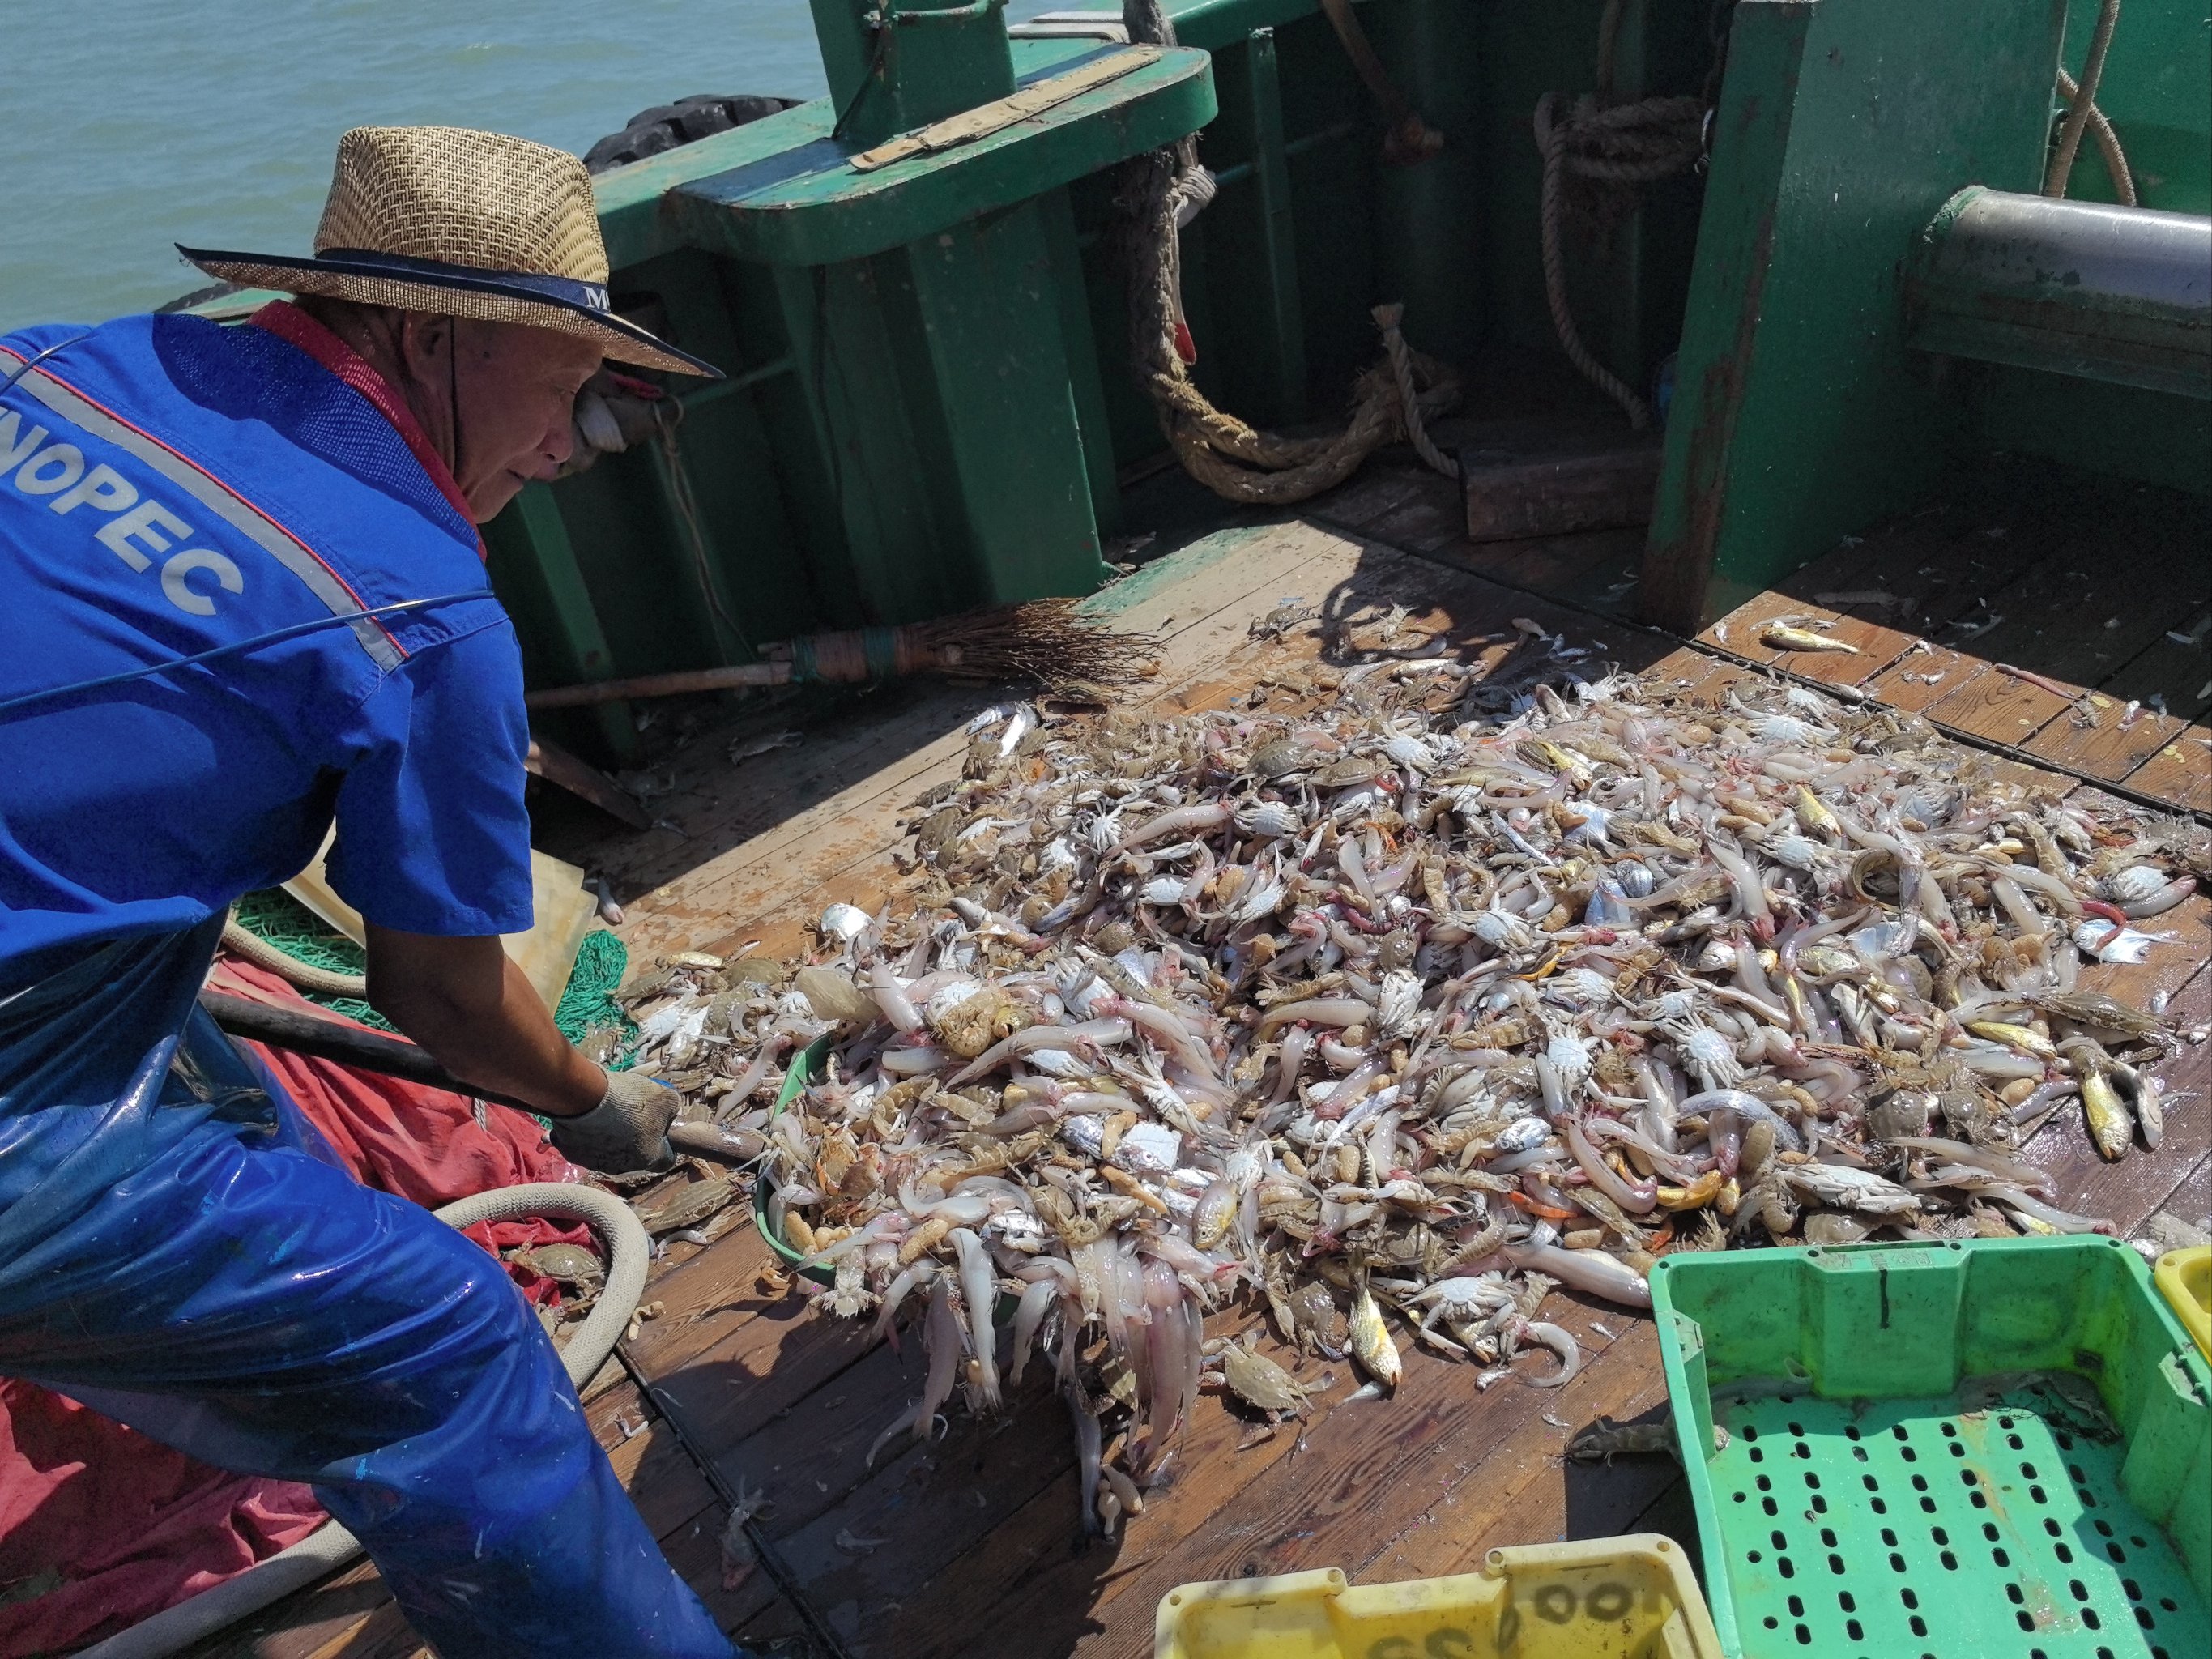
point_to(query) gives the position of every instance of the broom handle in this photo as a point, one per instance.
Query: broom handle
(661, 685)
(841, 659)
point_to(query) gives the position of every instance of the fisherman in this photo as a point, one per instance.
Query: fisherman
(278, 520)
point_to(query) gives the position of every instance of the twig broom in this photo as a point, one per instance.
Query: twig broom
(1049, 643)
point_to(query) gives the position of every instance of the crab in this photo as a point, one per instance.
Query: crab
(1241, 1369)
(1469, 1307)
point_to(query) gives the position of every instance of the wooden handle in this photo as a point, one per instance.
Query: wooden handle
(327, 1039)
(661, 685)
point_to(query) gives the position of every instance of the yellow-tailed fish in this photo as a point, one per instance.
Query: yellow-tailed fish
(1370, 1340)
(1813, 815)
(2019, 1037)
(2106, 1113)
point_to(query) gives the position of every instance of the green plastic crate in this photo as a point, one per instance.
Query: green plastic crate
(1995, 1447)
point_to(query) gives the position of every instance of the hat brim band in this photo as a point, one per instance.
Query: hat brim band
(561, 303)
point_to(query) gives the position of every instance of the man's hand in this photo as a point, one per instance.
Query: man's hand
(465, 1002)
(627, 1130)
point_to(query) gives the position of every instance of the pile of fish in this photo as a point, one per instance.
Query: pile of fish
(1400, 1008)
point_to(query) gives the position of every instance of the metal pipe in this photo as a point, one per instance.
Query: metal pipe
(2104, 293)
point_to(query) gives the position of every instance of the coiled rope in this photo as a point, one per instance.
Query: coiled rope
(1628, 145)
(1392, 401)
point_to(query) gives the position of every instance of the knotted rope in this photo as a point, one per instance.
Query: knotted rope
(1392, 400)
(1628, 145)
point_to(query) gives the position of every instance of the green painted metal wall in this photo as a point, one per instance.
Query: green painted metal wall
(828, 495)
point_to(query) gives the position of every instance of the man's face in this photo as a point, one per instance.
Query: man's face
(513, 392)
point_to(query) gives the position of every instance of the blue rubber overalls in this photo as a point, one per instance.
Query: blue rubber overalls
(173, 1250)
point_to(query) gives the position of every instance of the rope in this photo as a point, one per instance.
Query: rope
(1237, 462)
(2108, 145)
(2084, 101)
(323, 981)
(694, 537)
(1401, 356)
(1628, 145)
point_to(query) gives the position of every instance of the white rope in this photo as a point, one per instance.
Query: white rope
(1629, 144)
(2084, 101)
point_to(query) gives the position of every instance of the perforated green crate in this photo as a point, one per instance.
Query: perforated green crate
(2000, 1449)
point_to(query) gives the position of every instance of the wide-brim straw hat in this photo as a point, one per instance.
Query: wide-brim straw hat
(464, 224)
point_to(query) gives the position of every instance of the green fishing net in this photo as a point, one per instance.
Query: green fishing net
(588, 1005)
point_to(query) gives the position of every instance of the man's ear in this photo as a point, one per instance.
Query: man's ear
(426, 343)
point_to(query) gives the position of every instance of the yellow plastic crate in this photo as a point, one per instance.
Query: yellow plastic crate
(2184, 1279)
(1603, 1598)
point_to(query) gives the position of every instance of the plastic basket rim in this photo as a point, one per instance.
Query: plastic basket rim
(1697, 1471)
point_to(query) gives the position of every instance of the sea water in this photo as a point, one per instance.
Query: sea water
(134, 124)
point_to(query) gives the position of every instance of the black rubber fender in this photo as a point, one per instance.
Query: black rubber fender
(665, 127)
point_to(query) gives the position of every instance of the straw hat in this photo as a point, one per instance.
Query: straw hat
(464, 224)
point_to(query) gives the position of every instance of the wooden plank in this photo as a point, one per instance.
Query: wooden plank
(2127, 1192)
(304, 1621)
(2179, 672)
(1939, 563)
(1530, 496)
(1923, 676)
(1035, 1571)
(1874, 647)
(1360, 1473)
(1995, 706)
(924, 1509)
(2111, 748)
(2191, 1201)
(1596, 569)
(2180, 773)
(1372, 492)
(1523, 1491)
(2079, 616)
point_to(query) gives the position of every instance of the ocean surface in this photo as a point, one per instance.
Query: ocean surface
(134, 124)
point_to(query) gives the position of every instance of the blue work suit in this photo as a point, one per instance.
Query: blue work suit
(176, 1249)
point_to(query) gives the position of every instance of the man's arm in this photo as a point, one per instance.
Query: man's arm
(469, 1006)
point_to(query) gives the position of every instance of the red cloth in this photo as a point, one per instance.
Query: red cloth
(294, 327)
(121, 1526)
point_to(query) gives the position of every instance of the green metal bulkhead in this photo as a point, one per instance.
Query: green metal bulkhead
(914, 424)
(893, 67)
(924, 302)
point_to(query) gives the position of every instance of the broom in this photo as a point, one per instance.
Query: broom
(1047, 642)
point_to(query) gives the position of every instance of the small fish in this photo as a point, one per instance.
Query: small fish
(2019, 1037)
(1781, 636)
(746, 748)
(2111, 1127)
(1814, 816)
(1370, 1340)
(2108, 941)
(1874, 596)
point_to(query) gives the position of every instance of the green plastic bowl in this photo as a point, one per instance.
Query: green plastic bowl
(803, 1070)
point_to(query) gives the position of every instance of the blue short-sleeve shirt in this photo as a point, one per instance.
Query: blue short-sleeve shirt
(168, 486)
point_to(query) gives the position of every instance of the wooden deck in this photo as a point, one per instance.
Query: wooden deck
(980, 1552)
